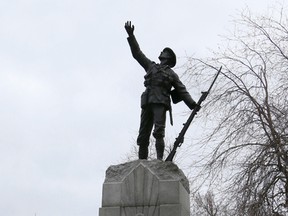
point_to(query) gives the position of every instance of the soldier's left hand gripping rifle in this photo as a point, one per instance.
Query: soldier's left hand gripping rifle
(180, 139)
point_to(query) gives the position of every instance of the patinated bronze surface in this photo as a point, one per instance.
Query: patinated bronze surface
(155, 100)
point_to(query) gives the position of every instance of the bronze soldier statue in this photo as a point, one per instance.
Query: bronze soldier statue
(155, 100)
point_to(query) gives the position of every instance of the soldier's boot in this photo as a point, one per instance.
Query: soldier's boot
(160, 148)
(143, 152)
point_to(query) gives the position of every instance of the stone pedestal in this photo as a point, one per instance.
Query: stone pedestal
(145, 188)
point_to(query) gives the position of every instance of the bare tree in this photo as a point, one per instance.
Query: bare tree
(206, 205)
(249, 109)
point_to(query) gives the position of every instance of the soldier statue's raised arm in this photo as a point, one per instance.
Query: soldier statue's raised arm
(155, 100)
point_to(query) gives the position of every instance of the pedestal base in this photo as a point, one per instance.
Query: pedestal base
(145, 188)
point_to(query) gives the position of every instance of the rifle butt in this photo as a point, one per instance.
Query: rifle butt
(171, 155)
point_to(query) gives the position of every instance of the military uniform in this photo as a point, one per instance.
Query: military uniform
(155, 100)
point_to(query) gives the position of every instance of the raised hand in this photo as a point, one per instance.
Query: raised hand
(129, 28)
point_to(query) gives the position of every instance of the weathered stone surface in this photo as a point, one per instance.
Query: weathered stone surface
(163, 170)
(146, 188)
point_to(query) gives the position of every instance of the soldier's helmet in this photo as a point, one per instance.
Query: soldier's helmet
(173, 56)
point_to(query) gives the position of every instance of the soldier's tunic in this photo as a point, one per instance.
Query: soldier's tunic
(155, 100)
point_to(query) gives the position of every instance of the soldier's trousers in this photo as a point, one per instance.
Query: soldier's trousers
(152, 115)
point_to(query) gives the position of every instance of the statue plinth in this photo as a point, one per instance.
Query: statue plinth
(145, 188)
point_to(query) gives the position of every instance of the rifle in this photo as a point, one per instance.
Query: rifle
(180, 139)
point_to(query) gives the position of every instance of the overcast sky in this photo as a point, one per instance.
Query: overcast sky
(70, 90)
